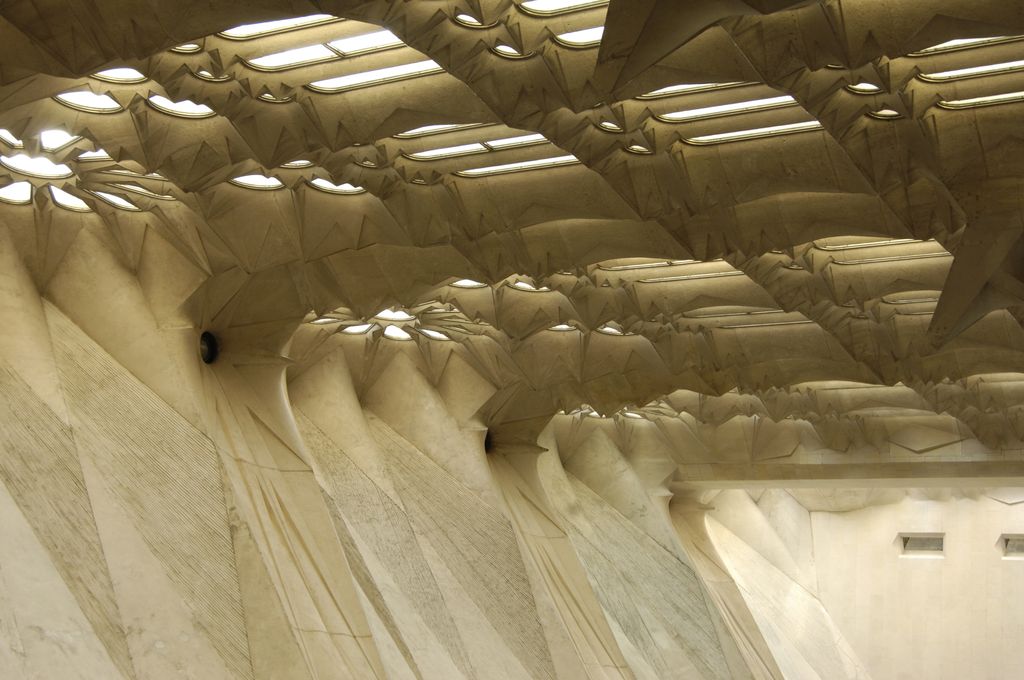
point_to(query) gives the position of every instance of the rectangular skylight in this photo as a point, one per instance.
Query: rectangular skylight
(976, 102)
(588, 37)
(688, 88)
(516, 167)
(1013, 546)
(558, 6)
(366, 42)
(973, 71)
(266, 27)
(376, 77)
(294, 57)
(756, 133)
(729, 109)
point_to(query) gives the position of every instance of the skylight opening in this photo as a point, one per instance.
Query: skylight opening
(203, 74)
(550, 7)
(766, 324)
(267, 97)
(963, 43)
(766, 104)
(563, 327)
(978, 102)
(298, 56)
(116, 201)
(89, 102)
(885, 114)
(141, 190)
(587, 37)
(367, 42)
(53, 140)
(261, 182)
(609, 330)
(184, 108)
(1013, 546)
(297, 164)
(504, 50)
(649, 265)
(892, 258)
(331, 188)
(536, 164)
(247, 31)
(467, 283)
(609, 126)
(97, 155)
(437, 129)
(693, 277)
(821, 245)
(187, 48)
(689, 88)
(973, 72)
(122, 74)
(639, 149)
(10, 140)
(433, 335)
(394, 315)
(396, 333)
(479, 147)
(358, 329)
(18, 193)
(448, 152)
(756, 133)
(863, 88)
(526, 285)
(40, 167)
(376, 77)
(68, 201)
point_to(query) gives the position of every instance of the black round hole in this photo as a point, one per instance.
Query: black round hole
(488, 442)
(208, 348)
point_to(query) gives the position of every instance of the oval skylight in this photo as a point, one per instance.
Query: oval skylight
(257, 182)
(17, 192)
(89, 102)
(508, 51)
(467, 20)
(139, 189)
(863, 88)
(246, 31)
(526, 285)
(325, 320)
(688, 88)
(343, 188)
(10, 140)
(36, 167)
(638, 149)
(297, 164)
(609, 330)
(975, 102)
(468, 283)
(434, 335)
(609, 126)
(588, 37)
(116, 201)
(52, 140)
(973, 71)
(121, 74)
(394, 315)
(186, 108)
(97, 155)
(396, 333)
(358, 329)
(376, 77)
(66, 200)
(562, 327)
(187, 48)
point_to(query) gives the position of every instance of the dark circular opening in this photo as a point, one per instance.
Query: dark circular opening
(488, 442)
(208, 348)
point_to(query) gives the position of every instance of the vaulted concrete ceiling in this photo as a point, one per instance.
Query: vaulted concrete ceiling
(750, 198)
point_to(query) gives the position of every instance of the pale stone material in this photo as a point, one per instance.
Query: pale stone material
(529, 340)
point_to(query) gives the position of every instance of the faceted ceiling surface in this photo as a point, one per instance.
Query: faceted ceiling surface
(762, 207)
